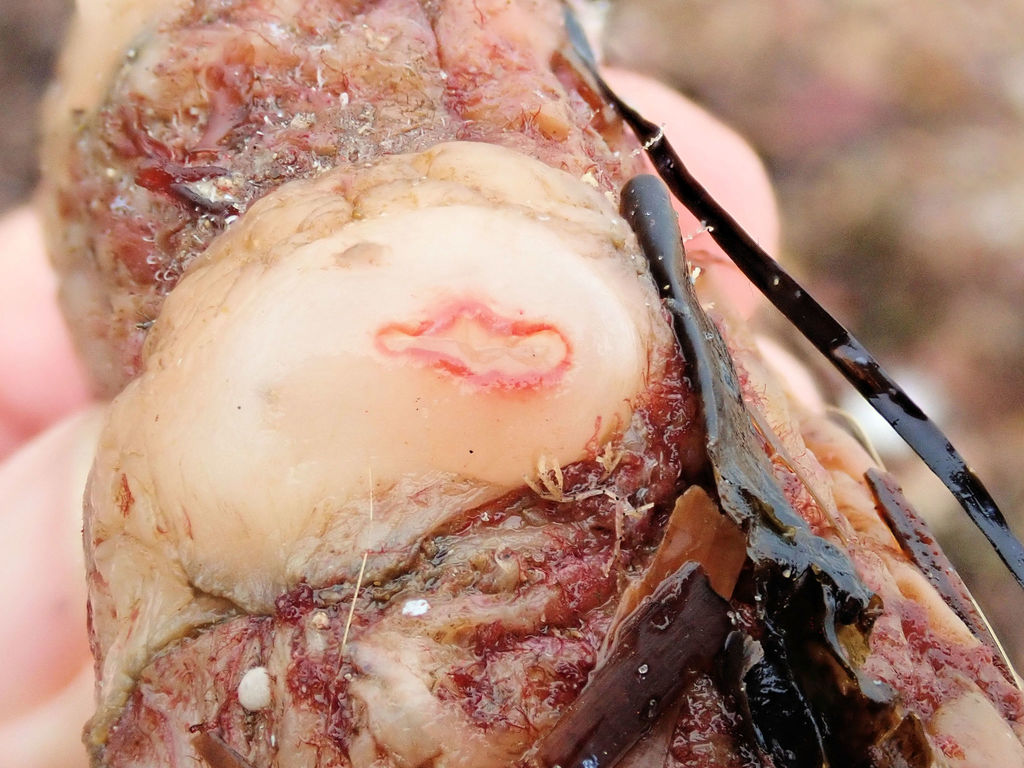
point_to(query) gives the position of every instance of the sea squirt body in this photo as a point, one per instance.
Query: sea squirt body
(356, 361)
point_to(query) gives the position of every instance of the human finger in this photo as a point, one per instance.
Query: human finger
(41, 378)
(734, 175)
(46, 677)
(725, 164)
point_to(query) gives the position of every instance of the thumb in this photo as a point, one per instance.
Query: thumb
(725, 164)
(46, 675)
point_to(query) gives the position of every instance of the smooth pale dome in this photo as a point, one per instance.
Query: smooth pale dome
(425, 335)
(463, 340)
(447, 346)
(356, 361)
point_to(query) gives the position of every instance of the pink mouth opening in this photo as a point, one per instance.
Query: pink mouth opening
(471, 342)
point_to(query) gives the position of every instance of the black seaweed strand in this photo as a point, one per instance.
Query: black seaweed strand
(809, 704)
(842, 349)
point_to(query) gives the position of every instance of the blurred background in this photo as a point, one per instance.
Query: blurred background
(894, 133)
(30, 33)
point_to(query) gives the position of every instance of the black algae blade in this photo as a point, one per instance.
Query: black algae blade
(674, 633)
(842, 349)
(777, 536)
(805, 708)
(854, 713)
(809, 705)
(779, 716)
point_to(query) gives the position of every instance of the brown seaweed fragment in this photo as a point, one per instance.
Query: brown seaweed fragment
(674, 633)
(807, 702)
(216, 753)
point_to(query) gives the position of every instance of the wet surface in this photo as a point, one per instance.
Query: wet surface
(910, 123)
(892, 136)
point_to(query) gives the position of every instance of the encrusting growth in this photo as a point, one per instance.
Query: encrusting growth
(411, 466)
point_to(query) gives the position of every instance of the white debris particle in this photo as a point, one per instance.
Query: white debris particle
(254, 689)
(415, 607)
(220, 190)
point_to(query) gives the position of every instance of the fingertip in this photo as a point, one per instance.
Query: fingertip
(725, 164)
(792, 375)
(49, 735)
